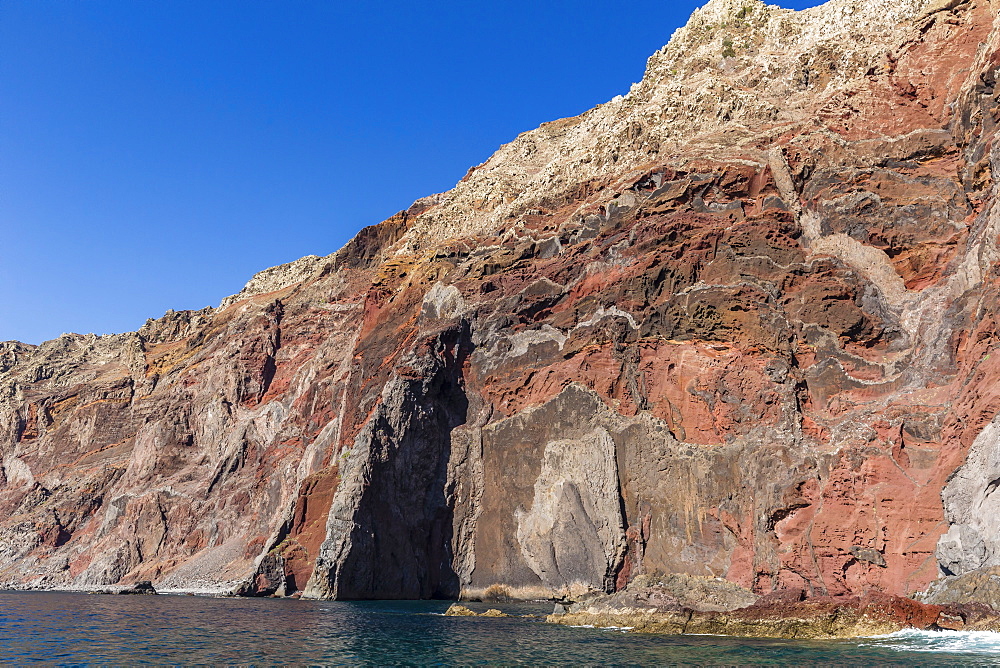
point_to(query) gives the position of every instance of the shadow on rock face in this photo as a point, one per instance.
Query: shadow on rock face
(401, 543)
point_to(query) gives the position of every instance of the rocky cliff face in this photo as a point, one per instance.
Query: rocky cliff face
(736, 323)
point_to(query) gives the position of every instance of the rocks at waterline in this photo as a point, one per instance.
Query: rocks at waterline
(671, 592)
(977, 586)
(142, 588)
(456, 610)
(789, 614)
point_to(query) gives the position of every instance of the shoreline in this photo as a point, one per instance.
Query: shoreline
(788, 615)
(781, 616)
(207, 592)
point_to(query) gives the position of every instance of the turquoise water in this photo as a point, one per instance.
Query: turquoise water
(94, 629)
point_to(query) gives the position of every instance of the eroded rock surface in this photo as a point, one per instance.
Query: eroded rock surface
(737, 323)
(978, 586)
(670, 593)
(789, 614)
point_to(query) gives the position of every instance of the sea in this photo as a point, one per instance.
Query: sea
(93, 629)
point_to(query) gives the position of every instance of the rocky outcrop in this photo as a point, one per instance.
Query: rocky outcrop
(973, 540)
(144, 588)
(790, 615)
(978, 586)
(669, 593)
(456, 610)
(735, 324)
(389, 529)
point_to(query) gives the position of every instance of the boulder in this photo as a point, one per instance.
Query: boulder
(142, 588)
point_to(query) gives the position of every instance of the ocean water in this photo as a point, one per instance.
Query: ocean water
(81, 629)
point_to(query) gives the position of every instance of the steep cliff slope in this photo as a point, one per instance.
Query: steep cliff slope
(738, 322)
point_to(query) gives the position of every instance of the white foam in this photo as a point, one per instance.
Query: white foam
(963, 642)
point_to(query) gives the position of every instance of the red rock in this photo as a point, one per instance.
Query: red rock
(748, 339)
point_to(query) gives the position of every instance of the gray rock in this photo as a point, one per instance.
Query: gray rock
(144, 587)
(972, 507)
(869, 555)
(978, 586)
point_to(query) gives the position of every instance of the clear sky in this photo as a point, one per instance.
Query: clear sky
(155, 155)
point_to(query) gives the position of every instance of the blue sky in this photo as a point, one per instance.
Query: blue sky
(155, 155)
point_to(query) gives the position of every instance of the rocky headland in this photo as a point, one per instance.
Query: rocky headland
(736, 324)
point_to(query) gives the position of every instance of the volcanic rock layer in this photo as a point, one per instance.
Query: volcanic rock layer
(736, 323)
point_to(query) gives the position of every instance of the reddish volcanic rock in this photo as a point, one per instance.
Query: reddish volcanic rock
(738, 323)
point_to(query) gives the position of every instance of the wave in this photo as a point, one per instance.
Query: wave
(963, 642)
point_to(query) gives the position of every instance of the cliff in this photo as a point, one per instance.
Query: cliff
(737, 323)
